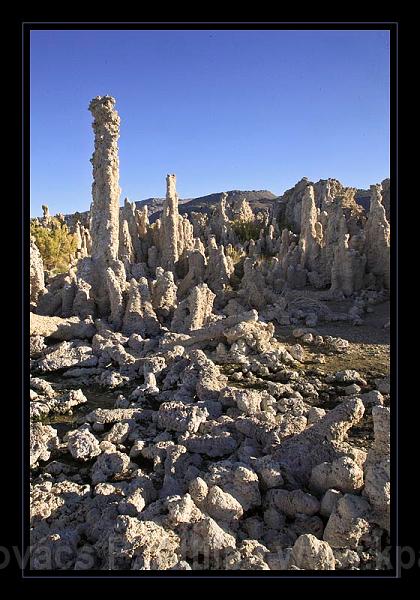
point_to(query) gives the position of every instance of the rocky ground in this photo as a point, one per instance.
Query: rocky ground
(136, 477)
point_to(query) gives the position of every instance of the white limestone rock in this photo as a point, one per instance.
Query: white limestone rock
(142, 545)
(209, 539)
(195, 312)
(179, 417)
(82, 444)
(36, 273)
(293, 502)
(347, 523)
(104, 213)
(324, 441)
(43, 440)
(65, 355)
(222, 506)
(108, 464)
(377, 468)
(164, 293)
(61, 329)
(312, 554)
(343, 474)
(378, 239)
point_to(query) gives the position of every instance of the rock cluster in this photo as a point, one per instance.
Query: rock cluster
(217, 450)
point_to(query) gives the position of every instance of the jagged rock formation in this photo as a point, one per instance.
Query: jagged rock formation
(386, 198)
(171, 230)
(221, 221)
(84, 240)
(333, 245)
(139, 316)
(105, 271)
(164, 294)
(218, 444)
(377, 468)
(242, 210)
(130, 242)
(377, 234)
(105, 189)
(349, 264)
(195, 311)
(219, 268)
(196, 260)
(36, 273)
(310, 231)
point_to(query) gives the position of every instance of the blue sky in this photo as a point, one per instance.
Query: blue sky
(221, 109)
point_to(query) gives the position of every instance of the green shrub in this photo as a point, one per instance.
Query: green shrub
(246, 230)
(234, 254)
(56, 244)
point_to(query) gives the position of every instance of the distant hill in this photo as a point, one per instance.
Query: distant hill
(155, 205)
(258, 199)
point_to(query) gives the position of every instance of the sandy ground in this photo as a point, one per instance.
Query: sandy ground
(369, 343)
